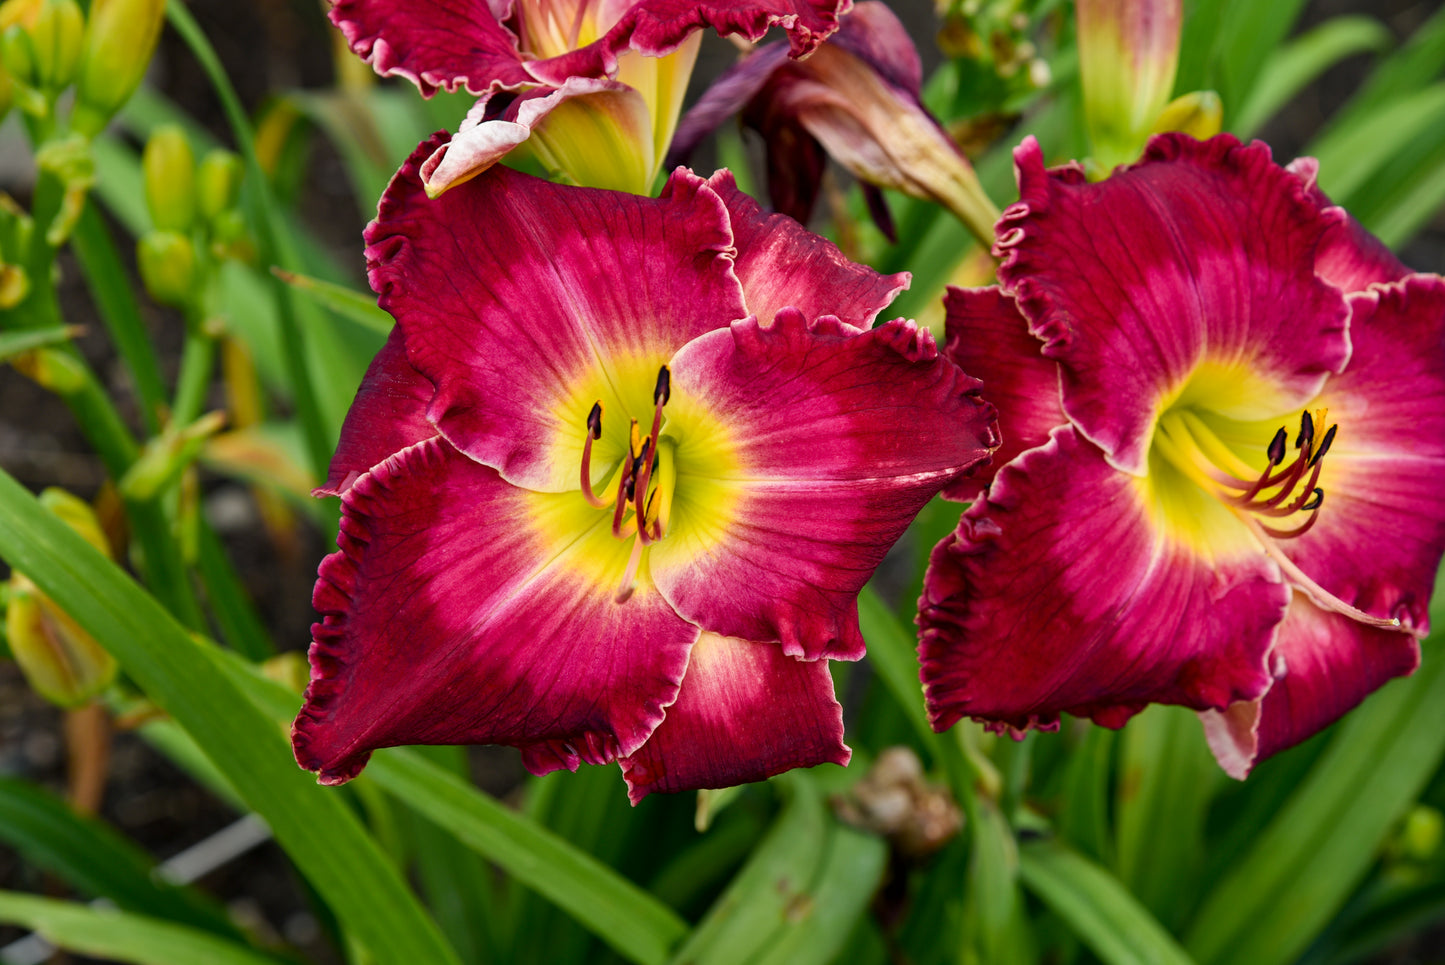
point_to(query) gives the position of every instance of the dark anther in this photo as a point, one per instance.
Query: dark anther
(1306, 431)
(630, 490)
(594, 420)
(1276, 447)
(1324, 446)
(663, 390)
(1315, 500)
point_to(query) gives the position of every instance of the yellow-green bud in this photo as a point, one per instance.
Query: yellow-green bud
(14, 285)
(1128, 53)
(18, 54)
(78, 515)
(1422, 831)
(119, 42)
(170, 179)
(167, 266)
(1200, 114)
(57, 38)
(59, 372)
(218, 182)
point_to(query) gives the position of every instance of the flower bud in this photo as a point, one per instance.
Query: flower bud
(1200, 114)
(56, 38)
(18, 54)
(119, 41)
(218, 182)
(14, 285)
(167, 455)
(170, 179)
(59, 372)
(61, 661)
(167, 263)
(1128, 52)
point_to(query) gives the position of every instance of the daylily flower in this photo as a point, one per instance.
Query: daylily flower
(563, 76)
(855, 99)
(612, 487)
(1221, 484)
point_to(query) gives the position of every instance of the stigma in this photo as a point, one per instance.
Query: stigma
(643, 483)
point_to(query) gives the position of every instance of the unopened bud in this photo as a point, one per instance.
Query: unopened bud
(119, 42)
(170, 179)
(218, 182)
(14, 285)
(1199, 113)
(57, 38)
(78, 515)
(167, 262)
(59, 372)
(167, 455)
(18, 54)
(1128, 52)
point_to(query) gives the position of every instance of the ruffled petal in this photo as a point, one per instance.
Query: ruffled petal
(989, 339)
(658, 27)
(745, 712)
(780, 264)
(435, 44)
(836, 439)
(1350, 258)
(387, 416)
(1381, 529)
(461, 609)
(1325, 664)
(1058, 593)
(526, 302)
(1201, 255)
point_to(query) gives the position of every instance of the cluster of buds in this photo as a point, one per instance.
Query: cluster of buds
(194, 217)
(48, 45)
(895, 799)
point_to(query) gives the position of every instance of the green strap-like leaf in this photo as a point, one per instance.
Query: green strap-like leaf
(1099, 909)
(360, 308)
(122, 936)
(314, 825)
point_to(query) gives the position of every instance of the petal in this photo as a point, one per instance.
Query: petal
(461, 609)
(728, 94)
(874, 34)
(834, 440)
(1326, 664)
(435, 44)
(780, 264)
(1058, 593)
(658, 27)
(1350, 258)
(387, 415)
(745, 712)
(989, 339)
(1380, 533)
(1201, 253)
(525, 302)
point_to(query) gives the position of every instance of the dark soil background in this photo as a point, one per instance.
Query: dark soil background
(271, 45)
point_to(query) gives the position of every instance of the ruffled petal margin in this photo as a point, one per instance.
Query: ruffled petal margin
(1350, 258)
(456, 613)
(745, 712)
(1057, 594)
(840, 438)
(1201, 252)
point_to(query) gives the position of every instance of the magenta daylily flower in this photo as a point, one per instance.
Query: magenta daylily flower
(612, 487)
(562, 75)
(856, 99)
(1221, 484)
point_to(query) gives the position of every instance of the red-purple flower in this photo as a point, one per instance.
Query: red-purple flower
(612, 487)
(562, 75)
(1223, 477)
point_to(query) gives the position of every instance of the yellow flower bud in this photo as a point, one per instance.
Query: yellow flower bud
(167, 262)
(57, 371)
(170, 179)
(56, 39)
(218, 182)
(1200, 114)
(14, 285)
(119, 41)
(18, 54)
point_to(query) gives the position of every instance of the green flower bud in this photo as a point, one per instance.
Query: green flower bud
(167, 266)
(59, 372)
(218, 182)
(170, 179)
(57, 37)
(18, 54)
(1128, 52)
(14, 285)
(119, 42)
(78, 515)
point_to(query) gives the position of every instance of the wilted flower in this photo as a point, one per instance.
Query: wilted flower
(593, 87)
(612, 487)
(1224, 421)
(855, 99)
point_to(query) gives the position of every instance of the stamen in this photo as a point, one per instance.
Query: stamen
(663, 390)
(625, 481)
(1276, 447)
(1315, 501)
(629, 578)
(1306, 435)
(594, 432)
(1324, 445)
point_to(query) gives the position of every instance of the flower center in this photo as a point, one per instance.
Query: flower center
(550, 28)
(646, 481)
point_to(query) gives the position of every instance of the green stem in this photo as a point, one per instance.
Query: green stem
(198, 362)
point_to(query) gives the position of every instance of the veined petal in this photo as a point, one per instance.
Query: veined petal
(1325, 665)
(838, 438)
(658, 27)
(461, 609)
(387, 415)
(1350, 258)
(1201, 256)
(781, 264)
(526, 302)
(1017, 623)
(745, 712)
(435, 44)
(1381, 529)
(989, 339)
